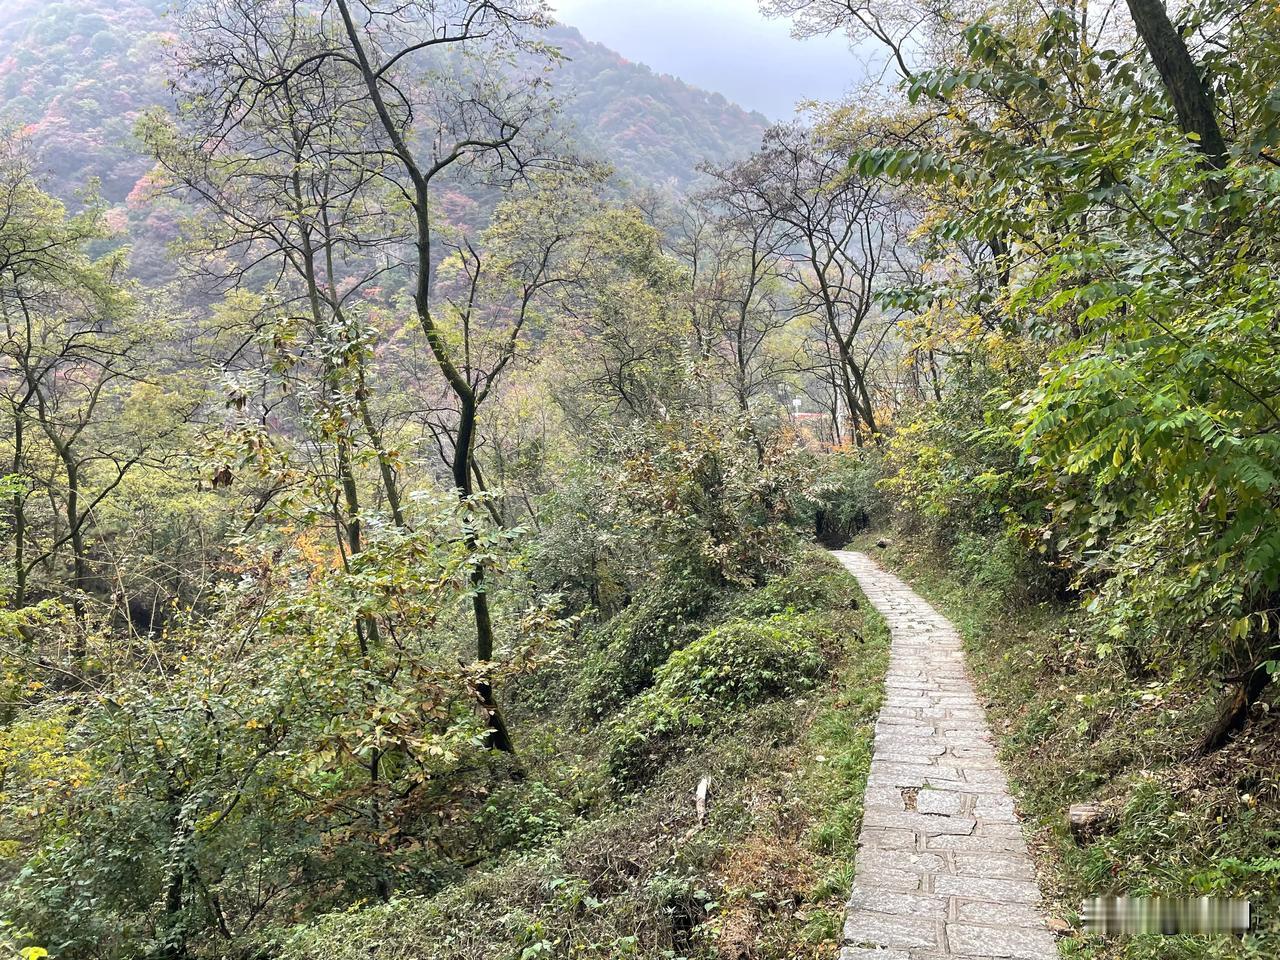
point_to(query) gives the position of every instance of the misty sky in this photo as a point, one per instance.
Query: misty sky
(726, 46)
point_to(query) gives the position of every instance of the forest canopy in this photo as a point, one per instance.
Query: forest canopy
(413, 473)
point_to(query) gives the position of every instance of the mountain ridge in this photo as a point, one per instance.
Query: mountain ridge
(625, 98)
(75, 77)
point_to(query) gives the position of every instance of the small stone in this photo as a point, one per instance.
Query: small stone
(930, 825)
(905, 860)
(1005, 914)
(885, 878)
(977, 843)
(915, 774)
(995, 810)
(886, 840)
(911, 751)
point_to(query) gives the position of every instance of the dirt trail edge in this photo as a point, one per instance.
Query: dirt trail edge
(942, 867)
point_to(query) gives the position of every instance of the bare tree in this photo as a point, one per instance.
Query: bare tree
(739, 297)
(840, 234)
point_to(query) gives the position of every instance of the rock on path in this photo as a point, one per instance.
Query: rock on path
(942, 868)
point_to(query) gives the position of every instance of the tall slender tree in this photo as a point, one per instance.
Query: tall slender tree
(346, 119)
(838, 232)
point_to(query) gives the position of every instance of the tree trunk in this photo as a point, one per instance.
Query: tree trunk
(350, 495)
(19, 519)
(367, 629)
(79, 559)
(1192, 99)
(499, 735)
(385, 469)
(458, 383)
(851, 405)
(868, 413)
(1236, 710)
(383, 882)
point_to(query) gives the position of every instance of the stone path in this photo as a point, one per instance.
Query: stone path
(942, 868)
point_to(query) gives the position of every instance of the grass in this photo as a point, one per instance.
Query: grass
(798, 862)
(635, 874)
(1074, 726)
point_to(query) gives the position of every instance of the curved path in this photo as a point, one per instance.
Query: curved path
(942, 868)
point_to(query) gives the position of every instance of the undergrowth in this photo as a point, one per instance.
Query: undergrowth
(770, 699)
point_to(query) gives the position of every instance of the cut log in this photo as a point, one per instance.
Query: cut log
(700, 800)
(1086, 819)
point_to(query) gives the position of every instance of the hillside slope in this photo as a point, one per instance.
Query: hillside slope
(653, 127)
(76, 76)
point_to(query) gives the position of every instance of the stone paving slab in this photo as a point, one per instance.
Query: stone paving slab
(942, 869)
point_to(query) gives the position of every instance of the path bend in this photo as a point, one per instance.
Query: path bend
(942, 870)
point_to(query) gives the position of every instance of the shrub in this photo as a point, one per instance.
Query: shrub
(525, 815)
(639, 640)
(816, 583)
(845, 500)
(954, 466)
(632, 881)
(584, 551)
(726, 669)
(1001, 564)
(706, 497)
(742, 662)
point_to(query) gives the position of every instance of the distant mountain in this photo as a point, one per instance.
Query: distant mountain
(76, 75)
(655, 128)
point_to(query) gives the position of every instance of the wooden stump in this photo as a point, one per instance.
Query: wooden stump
(1086, 819)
